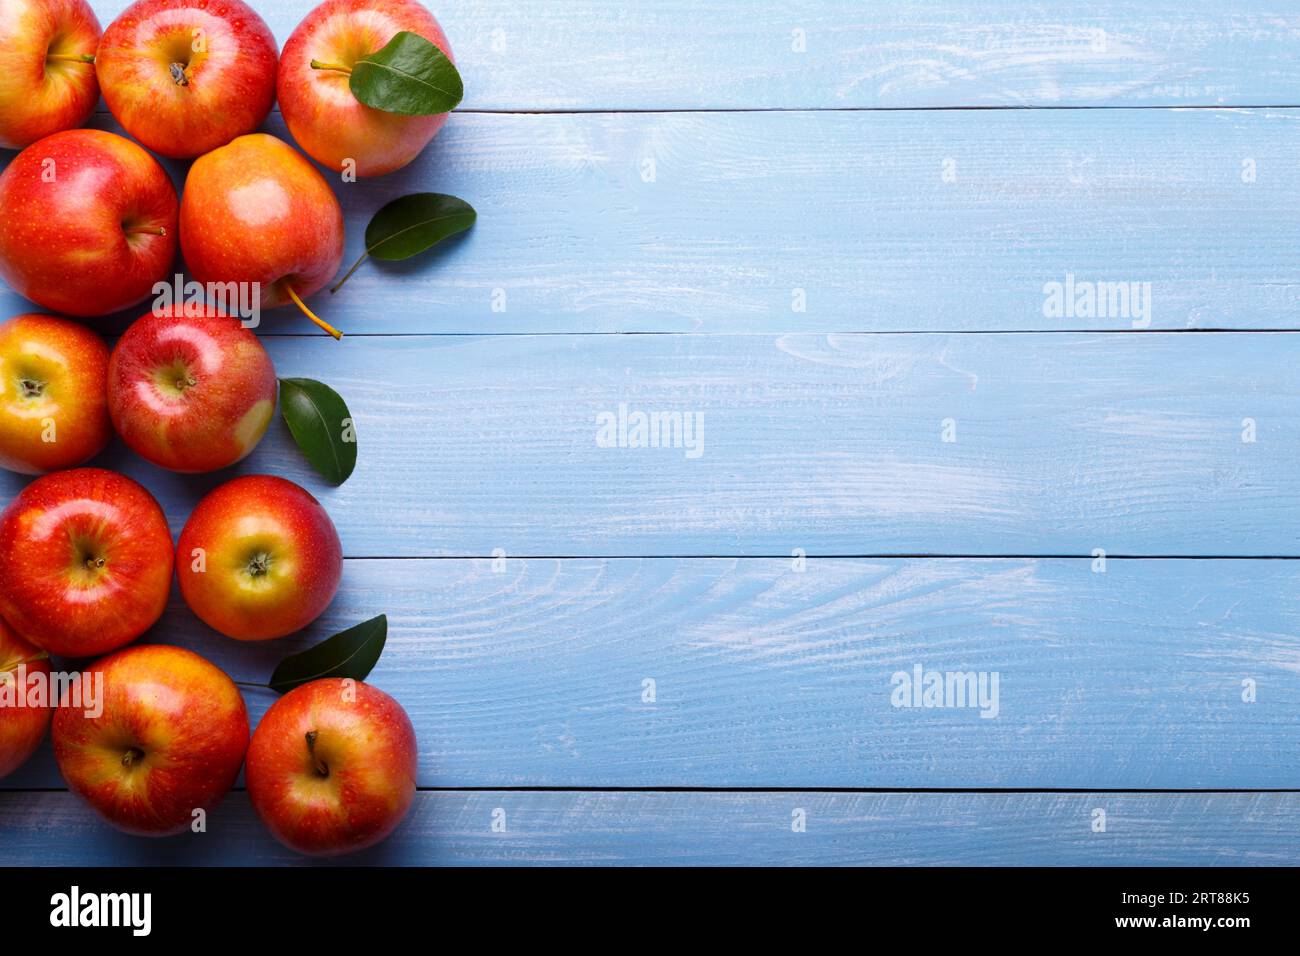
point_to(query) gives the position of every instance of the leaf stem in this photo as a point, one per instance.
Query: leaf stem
(312, 315)
(338, 285)
(336, 67)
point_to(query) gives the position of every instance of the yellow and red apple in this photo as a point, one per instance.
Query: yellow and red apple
(85, 561)
(47, 72)
(186, 76)
(87, 223)
(168, 744)
(332, 767)
(318, 105)
(256, 211)
(259, 558)
(190, 393)
(53, 394)
(22, 725)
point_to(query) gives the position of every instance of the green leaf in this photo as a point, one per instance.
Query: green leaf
(352, 653)
(410, 225)
(321, 425)
(410, 76)
(413, 223)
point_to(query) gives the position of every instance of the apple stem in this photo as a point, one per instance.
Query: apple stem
(348, 275)
(337, 67)
(71, 57)
(94, 563)
(131, 756)
(147, 231)
(321, 767)
(312, 315)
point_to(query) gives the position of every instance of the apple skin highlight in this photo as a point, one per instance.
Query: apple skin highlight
(86, 561)
(259, 559)
(257, 211)
(178, 97)
(21, 728)
(323, 115)
(191, 393)
(332, 767)
(53, 394)
(47, 71)
(88, 223)
(170, 741)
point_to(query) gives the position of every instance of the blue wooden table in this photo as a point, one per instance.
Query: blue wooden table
(855, 243)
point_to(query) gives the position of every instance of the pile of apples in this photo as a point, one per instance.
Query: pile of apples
(89, 224)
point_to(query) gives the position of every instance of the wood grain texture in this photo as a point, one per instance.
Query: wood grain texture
(767, 677)
(833, 444)
(846, 54)
(691, 829)
(478, 430)
(832, 222)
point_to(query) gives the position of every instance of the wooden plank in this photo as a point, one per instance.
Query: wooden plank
(845, 54)
(767, 677)
(691, 829)
(751, 218)
(830, 443)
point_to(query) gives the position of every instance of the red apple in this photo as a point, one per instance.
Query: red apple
(22, 725)
(186, 76)
(259, 559)
(332, 767)
(53, 394)
(256, 211)
(87, 222)
(170, 740)
(191, 393)
(318, 106)
(85, 562)
(47, 72)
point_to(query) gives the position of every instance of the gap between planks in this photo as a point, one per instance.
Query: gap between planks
(613, 111)
(991, 791)
(896, 556)
(507, 335)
